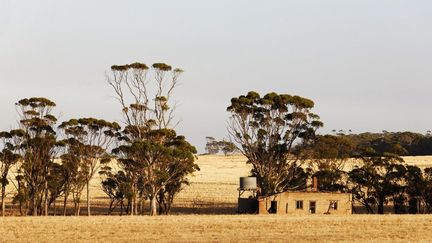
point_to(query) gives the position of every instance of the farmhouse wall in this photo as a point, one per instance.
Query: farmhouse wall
(286, 203)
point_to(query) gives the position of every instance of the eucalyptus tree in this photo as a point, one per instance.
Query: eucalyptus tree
(426, 195)
(266, 129)
(37, 149)
(74, 177)
(327, 156)
(172, 168)
(56, 185)
(227, 147)
(117, 186)
(148, 145)
(378, 178)
(8, 158)
(163, 166)
(212, 146)
(416, 187)
(87, 140)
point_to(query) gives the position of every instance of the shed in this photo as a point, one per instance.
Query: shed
(306, 202)
(302, 202)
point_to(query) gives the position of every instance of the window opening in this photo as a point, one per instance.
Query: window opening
(299, 204)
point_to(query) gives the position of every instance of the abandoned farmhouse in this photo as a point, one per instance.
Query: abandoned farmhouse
(309, 201)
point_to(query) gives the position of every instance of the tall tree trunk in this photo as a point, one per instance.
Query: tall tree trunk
(380, 204)
(133, 206)
(20, 201)
(3, 197)
(141, 204)
(35, 206)
(161, 202)
(169, 204)
(413, 205)
(153, 205)
(21, 208)
(134, 203)
(88, 197)
(110, 207)
(65, 201)
(46, 198)
(55, 208)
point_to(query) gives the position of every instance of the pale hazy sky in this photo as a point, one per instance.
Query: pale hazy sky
(365, 63)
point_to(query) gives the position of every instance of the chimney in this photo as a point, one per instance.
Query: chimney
(315, 184)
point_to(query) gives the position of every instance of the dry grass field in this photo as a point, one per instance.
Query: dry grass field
(205, 211)
(218, 228)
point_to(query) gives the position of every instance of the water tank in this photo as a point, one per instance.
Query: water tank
(248, 183)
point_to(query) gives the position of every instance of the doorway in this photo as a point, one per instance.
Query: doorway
(312, 207)
(273, 207)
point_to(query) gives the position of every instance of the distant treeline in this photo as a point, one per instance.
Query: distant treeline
(402, 143)
(214, 146)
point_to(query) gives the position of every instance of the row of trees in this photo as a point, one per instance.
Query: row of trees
(413, 144)
(35, 145)
(144, 160)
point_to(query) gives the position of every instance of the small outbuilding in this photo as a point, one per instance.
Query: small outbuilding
(309, 201)
(305, 202)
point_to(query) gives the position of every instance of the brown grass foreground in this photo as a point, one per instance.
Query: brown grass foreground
(217, 228)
